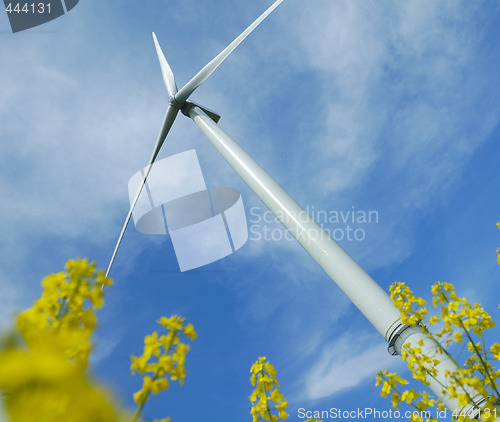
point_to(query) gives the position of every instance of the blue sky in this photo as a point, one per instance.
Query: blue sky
(392, 107)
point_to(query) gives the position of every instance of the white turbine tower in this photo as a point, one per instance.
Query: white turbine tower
(359, 287)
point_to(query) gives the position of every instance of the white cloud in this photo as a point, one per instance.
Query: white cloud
(393, 87)
(71, 140)
(105, 344)
(346, 363)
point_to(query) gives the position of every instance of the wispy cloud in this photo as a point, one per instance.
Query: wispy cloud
(395, 114)
(105, 344)
(345, 364)
(396, 92)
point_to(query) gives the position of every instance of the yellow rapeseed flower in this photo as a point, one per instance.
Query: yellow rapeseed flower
(42, 364)
(266, 395)
(163, 358)
(65, 312)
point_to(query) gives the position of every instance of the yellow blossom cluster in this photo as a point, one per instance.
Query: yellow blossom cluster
(464, 321)
(42, 363)
(65, 311)
(456, 313)
(460, 322)
(421, 365)
(411, 307)
(266, 397)
(163, 358)
(391, 386)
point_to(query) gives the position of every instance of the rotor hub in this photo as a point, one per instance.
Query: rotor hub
(174, 103)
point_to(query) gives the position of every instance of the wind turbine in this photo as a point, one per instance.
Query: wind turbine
(359, 287)
(177, 101)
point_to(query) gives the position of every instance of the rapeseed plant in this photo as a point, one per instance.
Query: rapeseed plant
(266, 399)
(43, 362)
(163, 358)
(461, 323)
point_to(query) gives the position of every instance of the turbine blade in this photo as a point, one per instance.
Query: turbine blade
(204, 73)
(168, 120)
(166, 71)
(170, 116)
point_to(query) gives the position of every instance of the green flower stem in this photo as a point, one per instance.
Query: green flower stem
(66, 302)
(138, 411)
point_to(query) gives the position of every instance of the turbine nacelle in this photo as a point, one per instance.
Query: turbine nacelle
(187, 105)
